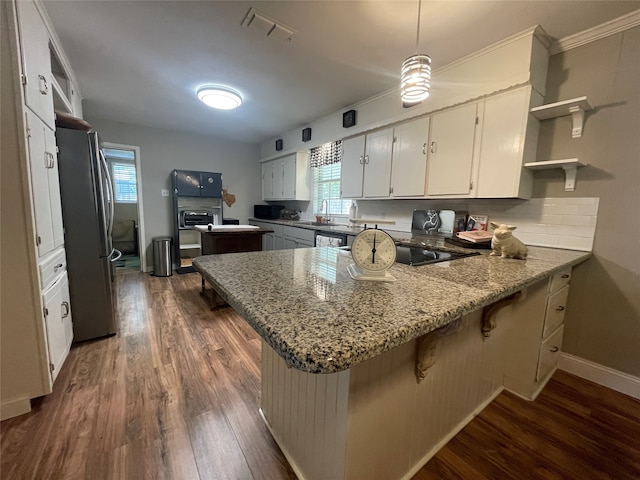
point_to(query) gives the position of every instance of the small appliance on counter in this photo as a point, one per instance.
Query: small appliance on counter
(267, 212)
(191, 218)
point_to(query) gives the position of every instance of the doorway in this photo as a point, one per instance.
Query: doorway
(128, 220)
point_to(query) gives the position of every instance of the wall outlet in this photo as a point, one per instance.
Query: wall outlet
(164, 192)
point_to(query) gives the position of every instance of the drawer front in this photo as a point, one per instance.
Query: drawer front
(300, 233)
(51, 267)
(550, 350)
(559, 280)
(556, 308)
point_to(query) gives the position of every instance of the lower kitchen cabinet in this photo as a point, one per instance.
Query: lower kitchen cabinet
(535, 335)
(293, 237)
(270, 241)
(57, 316)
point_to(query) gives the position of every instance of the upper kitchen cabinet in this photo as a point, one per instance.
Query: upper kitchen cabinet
(189, 183)
(36, 62)
(509, 140)
(451, 149)
(366, 165)
(287, 178)
(409, 165)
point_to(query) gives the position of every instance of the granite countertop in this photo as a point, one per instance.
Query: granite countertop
(305, 305)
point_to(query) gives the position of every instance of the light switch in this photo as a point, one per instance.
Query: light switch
(165, 192)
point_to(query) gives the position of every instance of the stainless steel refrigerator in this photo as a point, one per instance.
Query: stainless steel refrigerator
(87, 214)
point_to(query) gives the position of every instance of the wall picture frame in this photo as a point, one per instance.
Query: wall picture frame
(279, 145)
(306, 134)
(349, 118)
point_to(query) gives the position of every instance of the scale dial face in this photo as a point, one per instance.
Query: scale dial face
(373, 250)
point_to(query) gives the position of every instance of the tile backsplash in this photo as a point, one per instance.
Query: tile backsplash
(546, 222)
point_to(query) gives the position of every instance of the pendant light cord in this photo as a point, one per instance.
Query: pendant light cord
(418, 27)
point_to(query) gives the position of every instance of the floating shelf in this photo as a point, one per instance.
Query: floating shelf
(569, 165)
(574, 107)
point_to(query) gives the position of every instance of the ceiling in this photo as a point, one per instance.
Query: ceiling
(140, 62)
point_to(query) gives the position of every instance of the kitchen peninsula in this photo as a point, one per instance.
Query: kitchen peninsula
(383, 373)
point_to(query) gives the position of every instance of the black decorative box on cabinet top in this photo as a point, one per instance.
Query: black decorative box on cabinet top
(306, 134)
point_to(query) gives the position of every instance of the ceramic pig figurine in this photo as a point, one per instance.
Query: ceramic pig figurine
(505, 244)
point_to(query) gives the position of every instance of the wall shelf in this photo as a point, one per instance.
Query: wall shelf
(574, 107)
(569, 165)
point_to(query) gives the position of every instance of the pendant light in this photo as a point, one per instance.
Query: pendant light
(415, 76)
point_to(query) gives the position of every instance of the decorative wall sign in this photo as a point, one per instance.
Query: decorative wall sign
(349, 119)
(279, 145)
(306, 134)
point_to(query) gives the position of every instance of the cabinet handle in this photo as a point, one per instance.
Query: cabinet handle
(361, 159)
(559, 308)
(424, 148)
(366, 159)
(65, 309)
(434, 147)
(44, 86)
(56, 267)
(566, 275)
(554, 349)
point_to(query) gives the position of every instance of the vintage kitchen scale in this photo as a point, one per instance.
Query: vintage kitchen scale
(373, 251)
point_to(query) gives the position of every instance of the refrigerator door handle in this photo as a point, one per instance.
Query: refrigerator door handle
(118, 255)
(111, 200)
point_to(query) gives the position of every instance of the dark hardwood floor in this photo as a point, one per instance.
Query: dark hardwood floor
(176, 395)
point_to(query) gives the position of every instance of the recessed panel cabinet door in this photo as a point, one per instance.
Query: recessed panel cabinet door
(57, 313)
(352, 167)
(451, 151)
(210, 185)
(278, 179)
(377, 165)
(53, 178)
(409, 167)
(187, 183)
(36, 62)
(289, 172)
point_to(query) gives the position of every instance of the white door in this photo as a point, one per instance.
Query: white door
(278, 179)
(451, 151)
(289, 177)
(377, 165)
(267, 180)
(409, 166)
(352, 167)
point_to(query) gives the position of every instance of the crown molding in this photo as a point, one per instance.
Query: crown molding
(606, 29)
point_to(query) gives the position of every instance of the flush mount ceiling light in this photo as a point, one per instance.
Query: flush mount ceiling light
(415, 76)
(222, 98)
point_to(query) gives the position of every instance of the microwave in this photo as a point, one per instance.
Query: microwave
(267, 212)
(191, 218)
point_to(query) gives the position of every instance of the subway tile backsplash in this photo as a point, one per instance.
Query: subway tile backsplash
(547, 222)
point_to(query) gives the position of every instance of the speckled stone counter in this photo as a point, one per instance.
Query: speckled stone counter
(307, 308)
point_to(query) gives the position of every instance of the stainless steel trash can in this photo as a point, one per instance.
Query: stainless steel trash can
(162, 256)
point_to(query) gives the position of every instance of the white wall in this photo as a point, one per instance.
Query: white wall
(161, 151)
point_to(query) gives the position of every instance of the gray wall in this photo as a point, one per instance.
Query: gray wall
(603, 317)
(161, 151)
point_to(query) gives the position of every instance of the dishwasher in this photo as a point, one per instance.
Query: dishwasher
(331, 239)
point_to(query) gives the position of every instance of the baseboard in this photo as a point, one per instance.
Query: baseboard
(15, 408)
(605, 376)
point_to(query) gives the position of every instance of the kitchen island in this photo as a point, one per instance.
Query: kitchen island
(369, 395)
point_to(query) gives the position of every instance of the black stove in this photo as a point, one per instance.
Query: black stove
(415, 256)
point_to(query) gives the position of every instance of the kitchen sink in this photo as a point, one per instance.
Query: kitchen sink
(319, 224)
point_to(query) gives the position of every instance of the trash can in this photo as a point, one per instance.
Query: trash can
(162, 256)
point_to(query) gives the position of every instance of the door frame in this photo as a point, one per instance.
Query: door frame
(142, 246)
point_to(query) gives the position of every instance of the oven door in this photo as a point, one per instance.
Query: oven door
(330, 239)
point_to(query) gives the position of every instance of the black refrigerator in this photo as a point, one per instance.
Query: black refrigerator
(87, 213)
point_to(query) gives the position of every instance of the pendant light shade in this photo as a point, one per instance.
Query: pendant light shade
(415, 78)
(415, 75)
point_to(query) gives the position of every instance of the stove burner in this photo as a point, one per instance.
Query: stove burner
(419, 256)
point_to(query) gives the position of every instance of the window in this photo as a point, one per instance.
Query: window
(124, 182)
(325, 163)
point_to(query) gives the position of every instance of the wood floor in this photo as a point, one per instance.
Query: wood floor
(176, 395)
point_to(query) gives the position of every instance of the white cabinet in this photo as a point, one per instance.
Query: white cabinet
(509, 140)
(294, 237)
(352, 167)
(377, 164)
(36, 62)
(270, 241)
(409, 165)
(287, 178)
(43, 166)
(535, 335)
(451, 148)
(57, 316)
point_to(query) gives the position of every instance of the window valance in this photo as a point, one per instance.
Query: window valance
(326, 154)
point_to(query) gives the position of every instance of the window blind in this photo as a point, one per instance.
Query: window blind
(124, 182)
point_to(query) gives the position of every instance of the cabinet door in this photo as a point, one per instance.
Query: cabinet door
(57, 314)
(76, 101)
(504, 128)
(187, 183)
(352, 167)
(53, 181)
(268, 241)
(377, 163)
(409, 164)
(36, 62)
(278, 179)
(210, 185)
(451, 151)
(278, 242)
(288, 242)
(39, 163)
(267, 180)
(289, 172)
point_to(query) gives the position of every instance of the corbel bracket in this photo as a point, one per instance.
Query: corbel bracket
(426, 347)
(489, 312)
